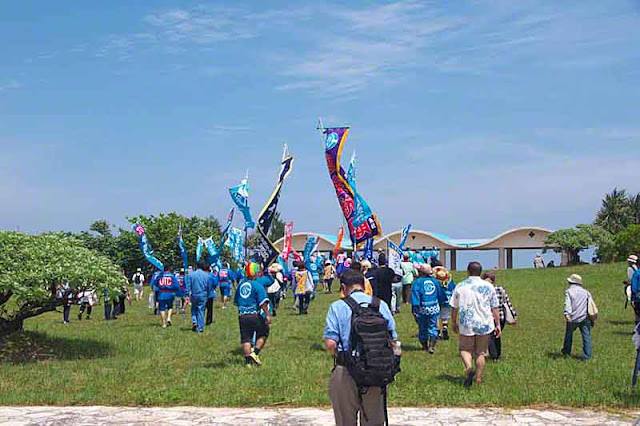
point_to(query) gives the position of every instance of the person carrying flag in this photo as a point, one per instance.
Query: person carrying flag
(253, 314)
(167, 285)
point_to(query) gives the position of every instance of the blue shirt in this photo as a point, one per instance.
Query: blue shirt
(212, 292)
(338, 323)
(154, 280)
(427, 295)
(199, 283)
(635, 284)
(313, 268)
(265, 280)
(167, 285)
(448, 291)
(249, 297)
(225, 277)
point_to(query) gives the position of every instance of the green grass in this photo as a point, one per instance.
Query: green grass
(132, 361)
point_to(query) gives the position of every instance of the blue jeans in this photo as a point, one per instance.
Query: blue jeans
(197, 311)
(427, 327)
(585, 330)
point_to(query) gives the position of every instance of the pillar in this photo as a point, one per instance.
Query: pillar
(443, 257)
(509, 258)
(454, 263)
(501, 258)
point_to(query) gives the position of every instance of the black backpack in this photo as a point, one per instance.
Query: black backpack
(370, 360)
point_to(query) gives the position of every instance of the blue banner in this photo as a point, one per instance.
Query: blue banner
(235, 244)
(312, 241)
(225, 231)
(145, 246)
(240, 196)
(395, 257)
(214, 253)
(405, 235)
(199, 248)
(368, 249)
(183, 251)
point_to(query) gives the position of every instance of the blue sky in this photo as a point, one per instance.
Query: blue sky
(468, 118)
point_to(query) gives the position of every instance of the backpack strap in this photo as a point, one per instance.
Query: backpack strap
(375, 304)
(352, 304)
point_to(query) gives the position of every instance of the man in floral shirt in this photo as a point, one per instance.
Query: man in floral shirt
(475, 304)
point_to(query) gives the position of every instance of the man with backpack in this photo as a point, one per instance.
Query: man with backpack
(360, 333)
(138, 281)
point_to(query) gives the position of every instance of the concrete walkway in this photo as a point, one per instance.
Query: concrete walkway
(298, 416)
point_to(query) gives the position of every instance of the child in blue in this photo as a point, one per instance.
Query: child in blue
(426, 297)
(153, 297)
(225, 278)
(253, 314)
(448, 285)
(167, 285)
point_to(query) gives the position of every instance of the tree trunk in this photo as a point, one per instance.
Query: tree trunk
(8, 326)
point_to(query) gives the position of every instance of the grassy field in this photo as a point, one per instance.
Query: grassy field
(132, 361)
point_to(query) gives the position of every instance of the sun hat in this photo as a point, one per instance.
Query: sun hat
(441, 274)
(275, 267)
(632, 258)
(575, 279)
(140, 269)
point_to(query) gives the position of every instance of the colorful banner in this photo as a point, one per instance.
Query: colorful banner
(366, 224)
(395, 258)
(214, 253)
(235, 242)
(264, 252)
(288, 237)
(199, 248)
(225, 231)
(269, 211)
(240, 196)
(405, 235)
(145, 246)
(183, 251)
(312, 243)
(338, 245)
(368, 249)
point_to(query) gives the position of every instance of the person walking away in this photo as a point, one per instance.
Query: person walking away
(576, 314)
(426, 297)
(475, 316)
(340, 259)
(364, 267)
(632, 266)
(329, 276)
(302, 287)
(225, 277)
(274, 289)
(181, 294)
(384, 277)
(168, 285)
(122, 298)
(213, 294)
(253, 315)
(153, 297)
(312, 267)
(199, 285)
(138, 284)
(448, 285)
(409, 273)
(109, 308)
(87, 300)
(504, 301)
(65, 294)
(360, 395)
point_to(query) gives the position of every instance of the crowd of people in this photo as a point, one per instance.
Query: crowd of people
(371, 293)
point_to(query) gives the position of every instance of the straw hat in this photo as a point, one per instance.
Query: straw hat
(275, 268)
(575, 279)
(441, 274)
(632, 258)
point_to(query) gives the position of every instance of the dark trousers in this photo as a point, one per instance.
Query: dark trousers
(84, 306)
(303, 302)
(209, 319)
(66, 310)
(107, 310)
(406, 293)
(155, 309)
(274, 302)
(495, 343)
(121, 301)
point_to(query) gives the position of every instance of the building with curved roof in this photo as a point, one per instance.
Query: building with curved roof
(523, 238)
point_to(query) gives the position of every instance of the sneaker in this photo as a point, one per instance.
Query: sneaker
(445, 334)
(79, 317)
(194, 327)
(468, 381)
(88, 317)
(255, 358)
(169, 323)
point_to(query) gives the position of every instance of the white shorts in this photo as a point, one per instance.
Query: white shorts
(445, 313)
(137, 289)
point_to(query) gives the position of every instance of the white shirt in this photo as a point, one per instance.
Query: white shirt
(630, 272)
(475, 298)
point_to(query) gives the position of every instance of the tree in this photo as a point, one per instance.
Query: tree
(34, 265)
(634, 202)
(573, 240)
(277, 228)
(628, 241)
(616, 212)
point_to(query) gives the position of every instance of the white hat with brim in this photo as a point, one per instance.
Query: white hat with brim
(632, 258)
(575, 279)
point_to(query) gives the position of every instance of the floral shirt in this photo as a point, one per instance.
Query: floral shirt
(475, 298)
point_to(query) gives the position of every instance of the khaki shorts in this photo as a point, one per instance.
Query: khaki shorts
(476, 345)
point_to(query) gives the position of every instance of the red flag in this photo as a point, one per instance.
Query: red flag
(336, 249)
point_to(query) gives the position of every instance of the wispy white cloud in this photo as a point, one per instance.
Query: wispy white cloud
(9, 85)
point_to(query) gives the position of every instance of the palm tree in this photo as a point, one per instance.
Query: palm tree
(634, 202)
(616, 212)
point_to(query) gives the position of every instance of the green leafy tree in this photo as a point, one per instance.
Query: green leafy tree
(628, 241)
(616, 212)
(634, 202)
(34, 266)
(573, 240)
